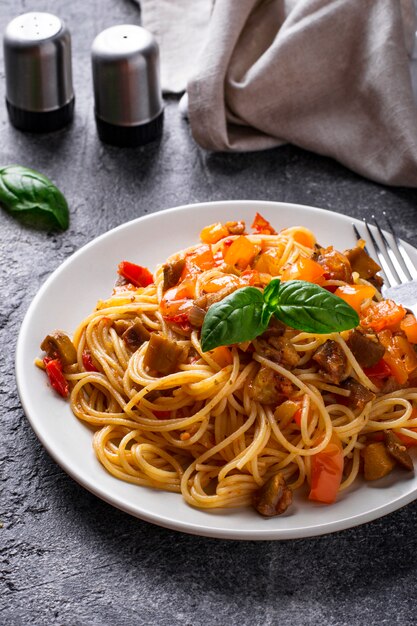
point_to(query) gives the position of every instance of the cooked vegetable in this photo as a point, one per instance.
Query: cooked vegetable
(241, 253)
(135, 274)
(59, 345)
(88, 362)
(268, 387)
(383, 314)
(274, 497)
(397, 450)
(332, 361)
(361, 262)
(359, 395)
(335, 264)
(213, 233)
(399, 355)
(380, 370)
(377, 461)
(409, 325)
(303, 269)
(367, 352)
(355, 295)
(326, 472)
(277, 349)
(162, 355)
(172, 273)
(53, 368)
(136, 335)
(261, 226)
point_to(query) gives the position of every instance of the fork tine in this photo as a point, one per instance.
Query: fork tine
(359, 236)
(395, 261)
(388, 275)
(409, 266)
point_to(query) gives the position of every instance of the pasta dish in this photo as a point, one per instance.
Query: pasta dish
(250, 365)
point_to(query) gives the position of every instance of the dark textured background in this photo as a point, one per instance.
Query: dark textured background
(67, 557)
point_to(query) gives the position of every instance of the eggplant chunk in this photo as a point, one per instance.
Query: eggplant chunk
(332, 361)
(172, 273)
(163, 355)
(359, 395)
(135, 335)
(397, 450)
(59, 345)
(274, 497)
(366, 351)
(377, 461)
(361, 262)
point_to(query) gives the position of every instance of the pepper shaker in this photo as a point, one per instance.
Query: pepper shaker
(127, 93)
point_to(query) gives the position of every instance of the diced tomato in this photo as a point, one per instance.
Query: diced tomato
(326, 472)
(409, 326)
(182, 320)
(379, 370)
(213, 233)
(88, 362)
(178, 300)
(261, 226)
(297, 416)
(355, 294)
(53, 368)
(304, 269)
(222, 355)
(383, 314)
(305, 238)
(241, 253)
(135, 274)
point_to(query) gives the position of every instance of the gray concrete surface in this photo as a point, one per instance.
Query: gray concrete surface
(66, 557)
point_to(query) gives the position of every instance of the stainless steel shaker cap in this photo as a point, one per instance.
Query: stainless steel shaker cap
(127, 92)
(37, 55)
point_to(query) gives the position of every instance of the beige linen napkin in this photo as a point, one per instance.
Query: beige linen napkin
(329, 76)
(180, 27)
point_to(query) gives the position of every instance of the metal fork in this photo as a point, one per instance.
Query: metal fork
(398, 270)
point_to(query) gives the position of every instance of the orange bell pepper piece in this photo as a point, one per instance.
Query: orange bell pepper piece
(409, 326)
(304, 238)
(269, 261)
(241, 253)
(304, 269)
(213, 233)
(355, 294)
(399, 354)
(222, 355)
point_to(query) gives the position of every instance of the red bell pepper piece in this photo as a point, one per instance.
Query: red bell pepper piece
(135, 274)
(379, 370)
(53, 368)
(88, 362)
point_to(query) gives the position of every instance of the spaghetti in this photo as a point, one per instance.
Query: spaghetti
(220, 426)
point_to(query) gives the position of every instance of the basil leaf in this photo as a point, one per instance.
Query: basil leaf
(308, 307)
(236, 318)
(271, 299)
(28, 192)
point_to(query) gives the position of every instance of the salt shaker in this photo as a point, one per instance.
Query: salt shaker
(37, 55)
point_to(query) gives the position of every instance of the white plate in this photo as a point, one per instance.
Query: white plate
(71, 292)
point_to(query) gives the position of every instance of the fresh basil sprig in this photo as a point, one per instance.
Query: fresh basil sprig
(26, 191)
(245, 313)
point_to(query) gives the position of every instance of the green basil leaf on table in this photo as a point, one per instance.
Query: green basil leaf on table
(236, 318)
(26, 191)
(308, 307)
